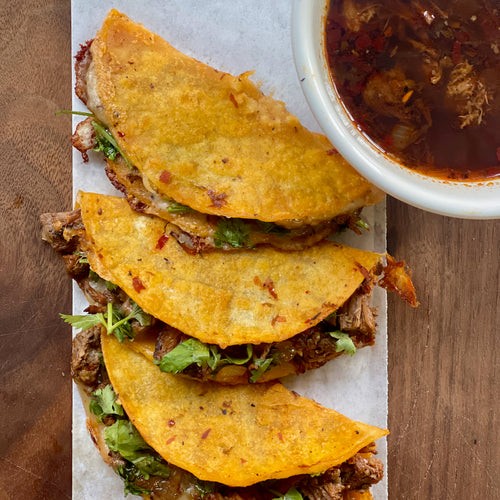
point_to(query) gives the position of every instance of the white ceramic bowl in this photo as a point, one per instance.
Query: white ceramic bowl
(457, 199)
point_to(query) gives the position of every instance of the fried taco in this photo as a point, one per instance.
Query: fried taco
(239, 317)
(206, 150)
(169, 437)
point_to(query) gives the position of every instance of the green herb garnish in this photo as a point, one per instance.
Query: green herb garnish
(107, 144)
(186, 353)
(291, 494)
(232, 232)
(362, 224)
(124, 438)
(261, 366)
(113, 320)
(240, 361)
(178, 208)
(104, 403)
(204, 487)
(130, 474)
(193, 351)
(344, 343)
(82, 257)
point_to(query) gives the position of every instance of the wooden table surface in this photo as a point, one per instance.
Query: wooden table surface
(443, 357)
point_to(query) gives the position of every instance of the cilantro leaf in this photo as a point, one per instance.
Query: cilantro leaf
(83, 321)
(240, 361)
(261, 365)
(344, 343)
(151, 465)
(362, 224)
(186, 353)
(124, 438)
(106, 143)
(204, 487)
(113, 320)
(82, 257)
(291, 494)
(130, 474)
(178, 208)
(232, 232)
(193, 351)
(215, 358)
(104, 403)
(143, 318)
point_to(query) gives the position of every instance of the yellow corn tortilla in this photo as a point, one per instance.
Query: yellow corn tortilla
(204, 225)
(237, 436)
(227, 148)
(250, 296)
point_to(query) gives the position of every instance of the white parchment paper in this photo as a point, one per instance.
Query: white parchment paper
(234, 36)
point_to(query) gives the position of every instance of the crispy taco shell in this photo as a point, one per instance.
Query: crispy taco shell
(252, 296)
(211, 140)
(237, 436)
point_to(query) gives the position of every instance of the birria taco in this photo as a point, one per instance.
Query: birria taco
(171, 438)
(239, 317)
(206, 150)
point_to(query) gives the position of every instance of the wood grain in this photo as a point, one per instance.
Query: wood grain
(35, 386)
(443, 357)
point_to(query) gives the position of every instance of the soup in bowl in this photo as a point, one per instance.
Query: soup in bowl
(408, 93)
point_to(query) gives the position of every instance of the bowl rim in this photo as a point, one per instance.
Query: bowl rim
(431, 194)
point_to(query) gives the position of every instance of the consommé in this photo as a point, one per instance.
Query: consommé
(421, 79)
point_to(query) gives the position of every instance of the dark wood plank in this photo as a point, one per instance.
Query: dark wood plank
(35, 386)
(443, 359)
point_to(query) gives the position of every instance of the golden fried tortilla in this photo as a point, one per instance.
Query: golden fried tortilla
(251, 296)
(211, 140)
(237, 436)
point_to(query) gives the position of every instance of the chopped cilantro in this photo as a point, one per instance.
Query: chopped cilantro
(184, 354)
(362, 224)
(113, 320)
(83, 257)
(344, 343)
(291, 494)
(130, 474)
(231, 232)
(204, 487)
(332, 317)
(124, 438)
(93, 276)
(107, 144)
(84, 321)
(178, 208)
(110, 286)
(193, 351)
(104, 403)
(241, 361)
(261, 366)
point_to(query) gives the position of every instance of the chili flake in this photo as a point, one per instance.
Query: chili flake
(165, 177)
(138, 284)
(162, 240)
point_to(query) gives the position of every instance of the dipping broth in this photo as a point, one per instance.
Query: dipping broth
(421, 79)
